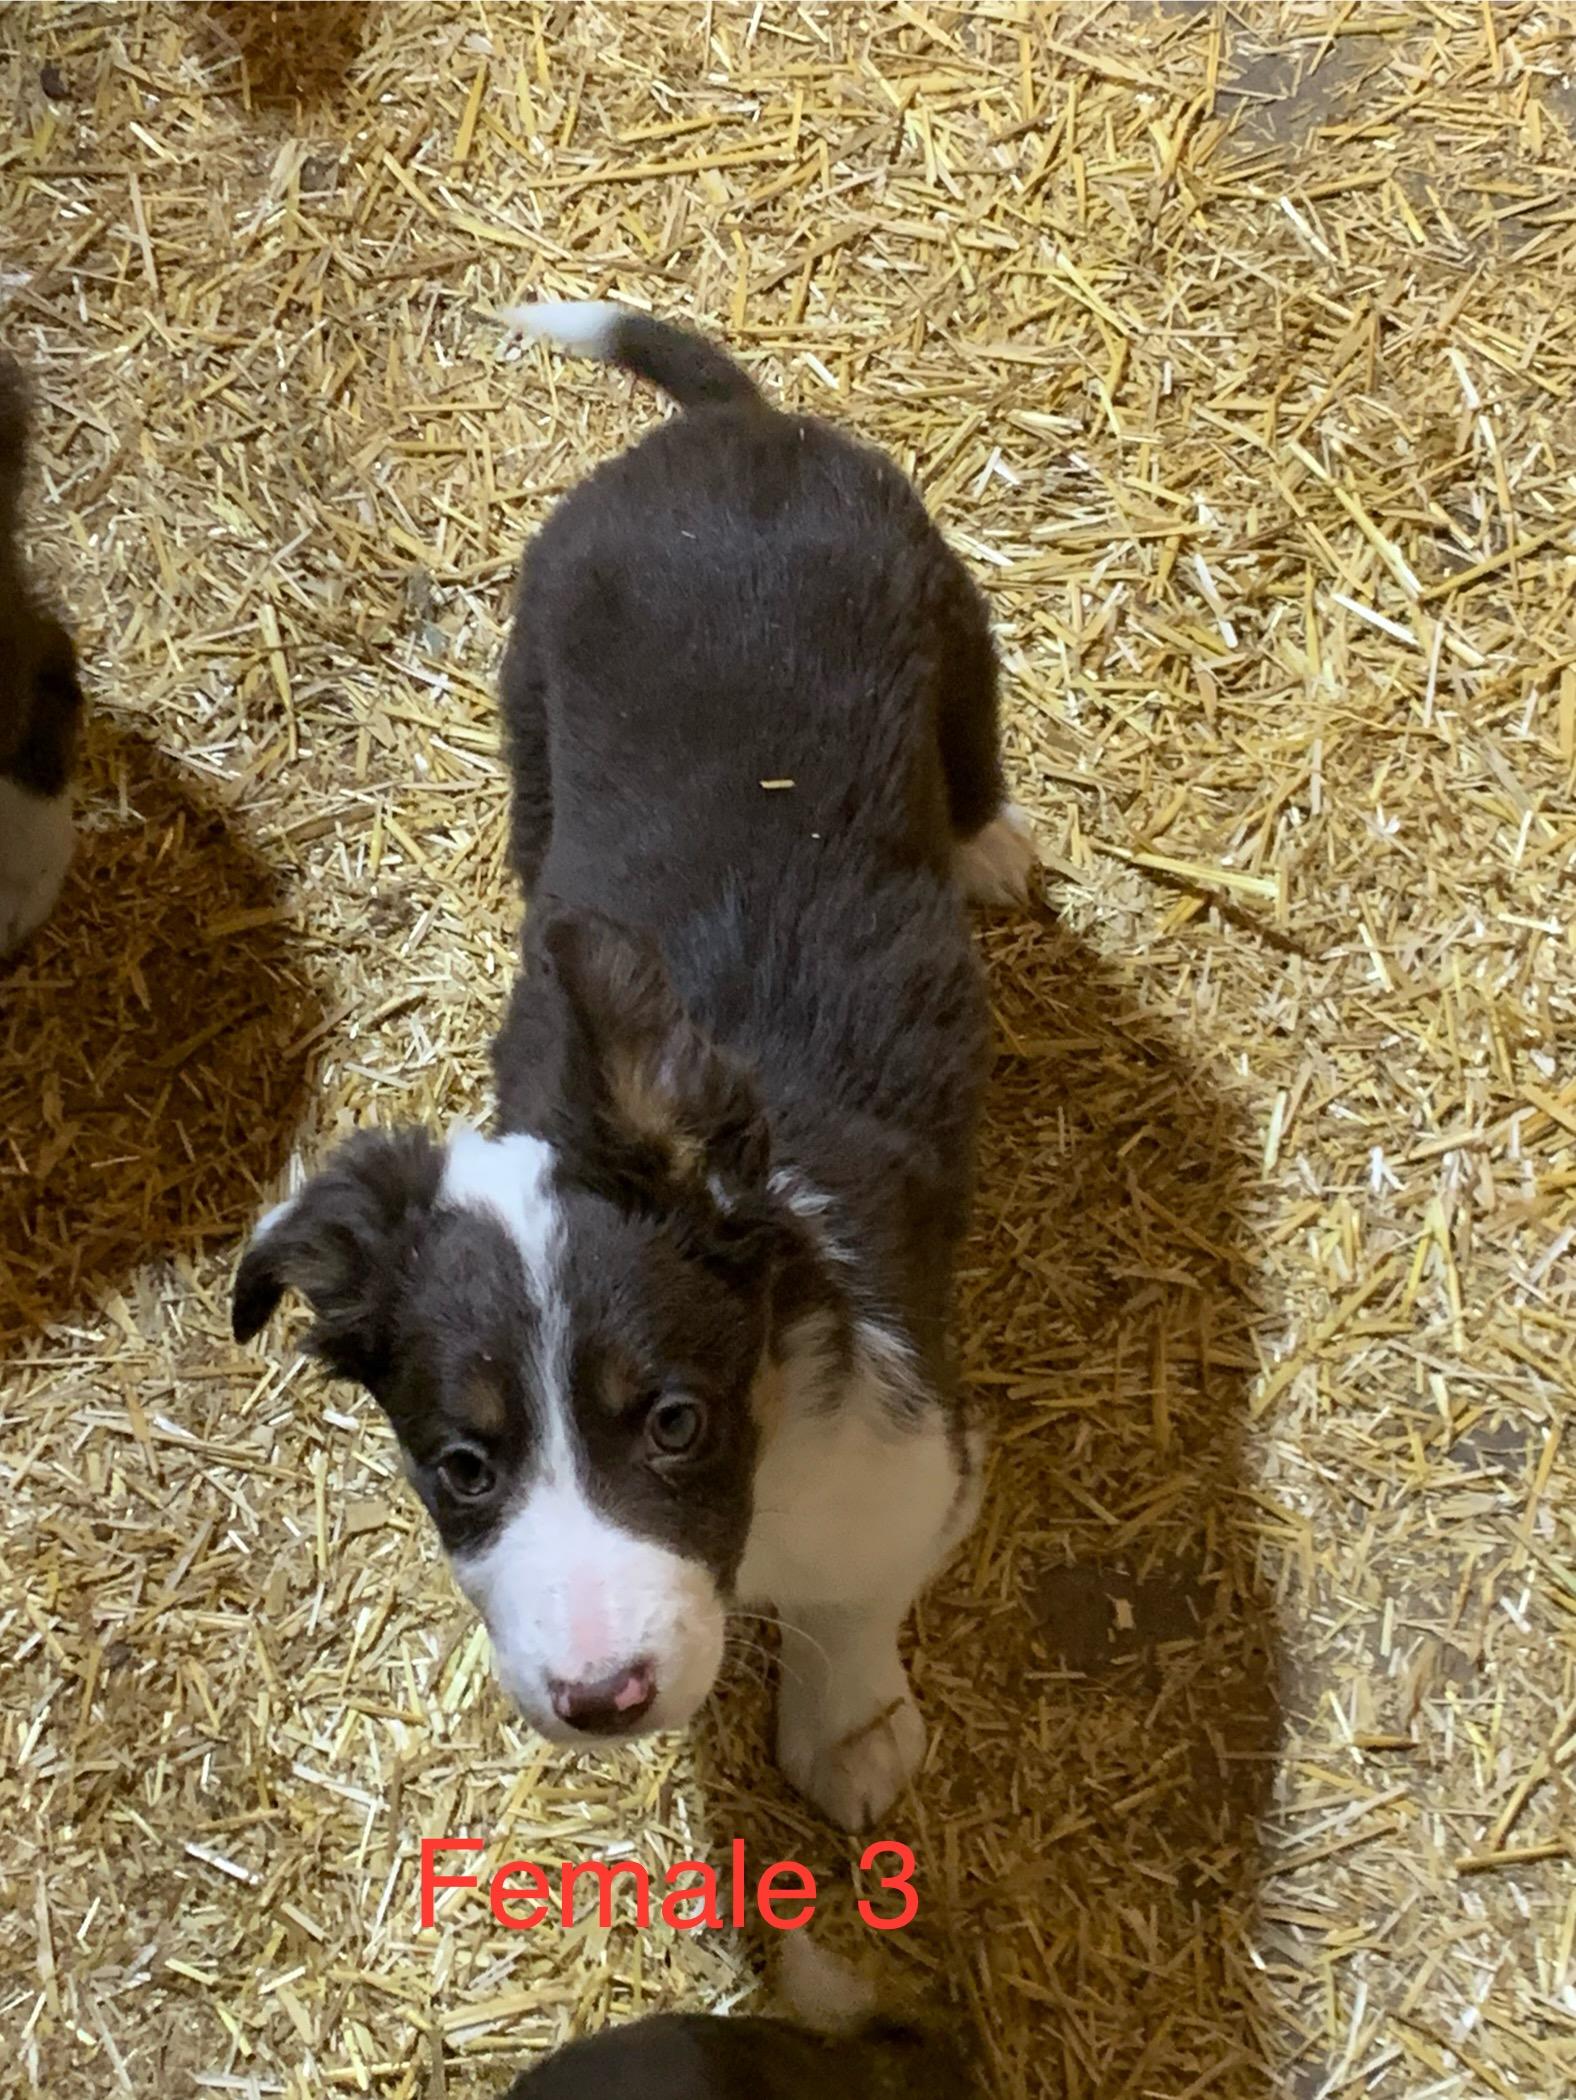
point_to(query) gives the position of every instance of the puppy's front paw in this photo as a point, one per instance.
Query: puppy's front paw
(36, 841)
(852, 1777)
(997, 865)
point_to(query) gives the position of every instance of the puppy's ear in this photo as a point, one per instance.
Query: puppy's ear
(345, 1243)
(653, 1098)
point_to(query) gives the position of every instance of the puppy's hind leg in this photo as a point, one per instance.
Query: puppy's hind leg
(994, 854)
(996, 865)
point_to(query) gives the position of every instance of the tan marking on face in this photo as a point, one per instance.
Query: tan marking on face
(482, 1404)
(618, 1382)
(767, 1396)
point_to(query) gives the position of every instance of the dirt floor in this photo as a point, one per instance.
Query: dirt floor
(1233, 348)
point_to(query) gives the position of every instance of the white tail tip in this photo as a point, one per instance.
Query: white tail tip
(820, 1988)
(586, 326)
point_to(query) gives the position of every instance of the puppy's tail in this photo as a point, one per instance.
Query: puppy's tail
(687, 367)
(14, 415)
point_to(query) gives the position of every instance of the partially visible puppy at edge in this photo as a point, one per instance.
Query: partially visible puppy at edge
(832, 2042)
(40, 705)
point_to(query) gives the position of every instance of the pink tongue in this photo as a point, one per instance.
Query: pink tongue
(632, 1690)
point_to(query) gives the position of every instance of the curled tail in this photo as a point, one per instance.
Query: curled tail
(14, 409)
(688, 368)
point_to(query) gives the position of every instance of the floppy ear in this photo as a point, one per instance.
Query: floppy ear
(345, 1243)
(650, 1098)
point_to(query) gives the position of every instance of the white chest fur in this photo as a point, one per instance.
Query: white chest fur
(850, 1503)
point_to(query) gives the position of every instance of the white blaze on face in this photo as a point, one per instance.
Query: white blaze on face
(568, 1595)
(571, 1598)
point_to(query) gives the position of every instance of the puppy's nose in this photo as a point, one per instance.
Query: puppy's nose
(609, 1705)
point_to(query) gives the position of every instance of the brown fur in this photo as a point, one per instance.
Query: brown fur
(40, 698)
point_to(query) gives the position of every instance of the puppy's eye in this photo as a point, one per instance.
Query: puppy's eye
(466, 1472)
(674, 1426)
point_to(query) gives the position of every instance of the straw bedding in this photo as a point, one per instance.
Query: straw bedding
(1233, 348)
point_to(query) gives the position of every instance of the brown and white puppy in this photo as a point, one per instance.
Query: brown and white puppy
(833, 2043)
(40, 706)
(674, 1338)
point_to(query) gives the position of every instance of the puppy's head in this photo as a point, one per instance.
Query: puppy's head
(566, 1328)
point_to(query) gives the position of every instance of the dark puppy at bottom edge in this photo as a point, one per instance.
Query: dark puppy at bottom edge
(833, 2044)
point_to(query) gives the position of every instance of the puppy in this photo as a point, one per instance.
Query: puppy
(674, 1339)
(834, 2042)
(40, 707)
